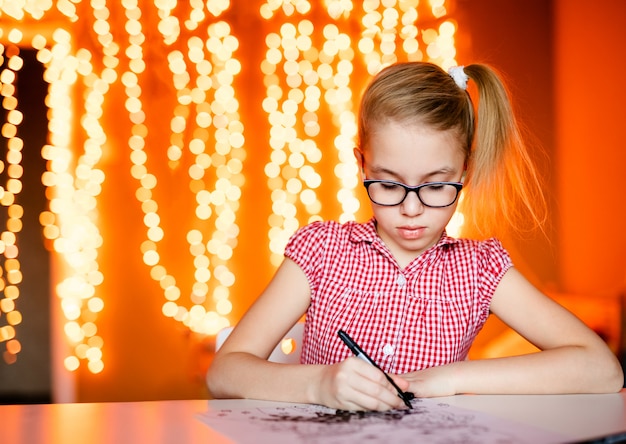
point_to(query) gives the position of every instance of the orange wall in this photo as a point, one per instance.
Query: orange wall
(590, 96)
(515, 37)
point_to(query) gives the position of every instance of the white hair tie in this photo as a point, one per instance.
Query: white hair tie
(459, 76)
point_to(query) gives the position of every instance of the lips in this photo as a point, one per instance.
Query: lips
(410, 232)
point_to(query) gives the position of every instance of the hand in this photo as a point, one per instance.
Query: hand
(432, 382)
(356, 385)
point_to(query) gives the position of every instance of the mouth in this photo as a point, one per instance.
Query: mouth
(410, 232)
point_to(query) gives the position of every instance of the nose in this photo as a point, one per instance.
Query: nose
(412, 205)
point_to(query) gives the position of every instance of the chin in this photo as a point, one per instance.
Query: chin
(418, 246)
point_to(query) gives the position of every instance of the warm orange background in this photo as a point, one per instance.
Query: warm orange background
(563, 60)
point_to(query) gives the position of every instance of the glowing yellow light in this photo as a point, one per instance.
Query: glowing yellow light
(95, 366)
(307, 71)
(71, 363)
(10, 274)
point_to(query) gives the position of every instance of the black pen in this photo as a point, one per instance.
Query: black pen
(359, 353)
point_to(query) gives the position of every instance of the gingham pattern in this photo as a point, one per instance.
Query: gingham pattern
(425, 315)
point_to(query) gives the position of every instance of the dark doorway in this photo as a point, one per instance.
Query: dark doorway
(28, 379)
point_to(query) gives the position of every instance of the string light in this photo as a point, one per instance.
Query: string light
(208, 103)
(74, 184)
(10, 272)
(306, 73)
(310, 75)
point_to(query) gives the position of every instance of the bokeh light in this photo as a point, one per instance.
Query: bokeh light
(317, 56)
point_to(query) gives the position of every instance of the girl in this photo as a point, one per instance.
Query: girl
(412, 297)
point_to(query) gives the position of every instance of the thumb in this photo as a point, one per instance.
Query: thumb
(400, 382)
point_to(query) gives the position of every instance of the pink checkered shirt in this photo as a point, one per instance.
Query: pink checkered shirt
(425, 315)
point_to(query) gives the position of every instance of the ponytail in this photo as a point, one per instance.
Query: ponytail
(502, 184)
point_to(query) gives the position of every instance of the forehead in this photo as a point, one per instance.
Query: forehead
(414, 147)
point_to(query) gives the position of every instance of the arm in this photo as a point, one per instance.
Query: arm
(240, 368)
(573, 359)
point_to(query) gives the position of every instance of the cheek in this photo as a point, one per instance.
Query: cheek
(386, 217)
(445, 214)
(383, 213)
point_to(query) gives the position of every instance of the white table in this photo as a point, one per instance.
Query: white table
(578, 417)
(581, 417)
(107, 423)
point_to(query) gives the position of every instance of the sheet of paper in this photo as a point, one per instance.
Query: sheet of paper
(429, 421)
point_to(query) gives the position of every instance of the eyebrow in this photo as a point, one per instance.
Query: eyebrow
(444, 170)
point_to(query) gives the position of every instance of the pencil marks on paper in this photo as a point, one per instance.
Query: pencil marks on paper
(428, 421)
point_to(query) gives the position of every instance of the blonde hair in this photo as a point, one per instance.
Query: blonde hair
(501, 182)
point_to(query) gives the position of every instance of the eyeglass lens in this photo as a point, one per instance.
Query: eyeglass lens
(431, 195)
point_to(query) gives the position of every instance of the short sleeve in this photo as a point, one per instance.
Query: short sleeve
(306, 248)
(494, 262)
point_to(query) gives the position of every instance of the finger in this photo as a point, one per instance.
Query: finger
(362, 402)
(394, 394)
(374, 395)
(400, 382)
(366, 387)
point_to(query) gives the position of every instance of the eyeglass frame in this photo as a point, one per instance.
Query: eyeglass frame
(407, 189)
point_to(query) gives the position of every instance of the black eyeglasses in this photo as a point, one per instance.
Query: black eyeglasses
(431, 194)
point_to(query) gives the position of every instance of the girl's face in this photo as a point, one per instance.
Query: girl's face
(412, 154)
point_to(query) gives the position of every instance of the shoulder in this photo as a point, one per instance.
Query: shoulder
(313, 244)
(328, 238)
(487, 255)
(333, 231)
(491, 246)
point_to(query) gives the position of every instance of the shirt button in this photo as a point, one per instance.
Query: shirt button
(388, 350)
(401, 281)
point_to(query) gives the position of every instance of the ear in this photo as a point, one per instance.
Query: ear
(360, 160)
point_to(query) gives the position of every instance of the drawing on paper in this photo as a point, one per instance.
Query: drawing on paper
(428, 421)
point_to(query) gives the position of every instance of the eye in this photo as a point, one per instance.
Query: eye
(437, 187)
(389, 186)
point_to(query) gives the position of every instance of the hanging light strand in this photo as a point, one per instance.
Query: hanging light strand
(207, 109)
(302, 79)
(74, 184)
(308, 74)
(10, 271)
